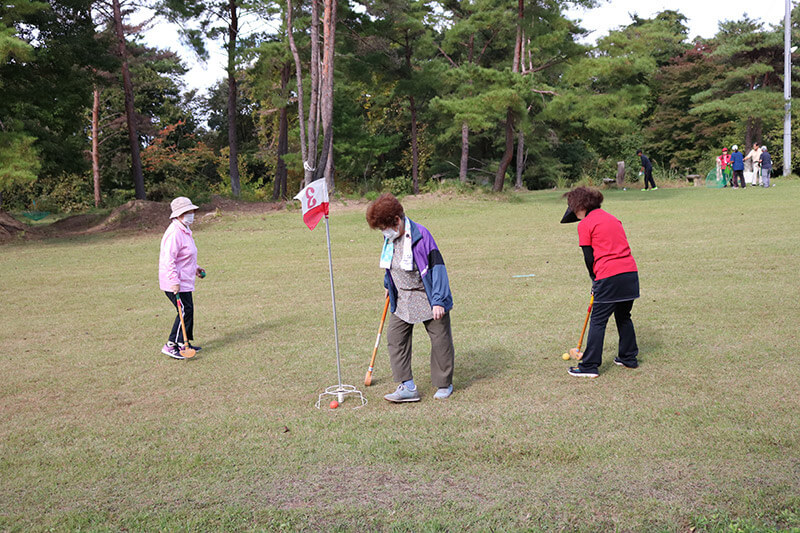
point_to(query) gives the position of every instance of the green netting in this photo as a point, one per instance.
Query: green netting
(35, 215)
(714, 180)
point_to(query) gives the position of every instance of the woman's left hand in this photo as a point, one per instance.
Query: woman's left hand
(438, 312)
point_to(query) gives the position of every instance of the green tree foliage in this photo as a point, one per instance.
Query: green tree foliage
(424, 91)
(750, 90)
(674, 136)
(159, 104)
(46, 55)
(19, 161)
(608, 93)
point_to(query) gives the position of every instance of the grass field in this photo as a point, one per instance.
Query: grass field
(100, 432)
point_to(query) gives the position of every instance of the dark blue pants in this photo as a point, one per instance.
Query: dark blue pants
(648, 179)
(601, 312)
(176, 335)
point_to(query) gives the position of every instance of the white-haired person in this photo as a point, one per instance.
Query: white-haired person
(766, 166)
(177, 268)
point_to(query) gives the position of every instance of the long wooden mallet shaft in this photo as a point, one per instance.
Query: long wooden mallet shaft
(577, 353)
(186, 352)
(368, 378)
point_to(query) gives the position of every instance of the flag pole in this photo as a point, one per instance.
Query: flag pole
(340, 391)
(333, 299)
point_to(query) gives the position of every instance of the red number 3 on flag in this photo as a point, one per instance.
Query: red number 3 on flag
(310, 195)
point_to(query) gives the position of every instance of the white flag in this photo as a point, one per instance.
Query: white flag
(314, 200)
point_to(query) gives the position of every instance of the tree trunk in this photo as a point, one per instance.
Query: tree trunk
(314, 105)
(752, 133)
(500, 177)
(515, 67)
(414, 136)
(620, 173)
(133, 136)
(462, 171)
(414, 147)
(233, 30)
(279, 190)
(300, 108)
(326, 95)
(520, 159)
(95, 147)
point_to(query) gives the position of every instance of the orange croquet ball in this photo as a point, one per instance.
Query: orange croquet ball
(334, 404)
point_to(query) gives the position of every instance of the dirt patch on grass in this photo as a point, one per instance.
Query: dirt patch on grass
(134, 216)
(76, 223)
(229, 205)
(11, 228)
(147, 216)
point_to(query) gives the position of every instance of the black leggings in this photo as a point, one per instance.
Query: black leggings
(176, 335)
(648, 178)
(601, 312)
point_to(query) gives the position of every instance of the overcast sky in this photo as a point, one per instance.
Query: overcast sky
(703, 19)
(704, 15)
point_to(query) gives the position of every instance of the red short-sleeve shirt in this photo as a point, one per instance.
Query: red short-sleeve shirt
(604, 233)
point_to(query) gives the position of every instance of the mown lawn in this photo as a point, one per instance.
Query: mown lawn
(100, 432)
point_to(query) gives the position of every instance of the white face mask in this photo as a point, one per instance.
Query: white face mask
(390, 233)
(188, 218)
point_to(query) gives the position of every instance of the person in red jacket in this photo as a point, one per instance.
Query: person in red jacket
(615, 279)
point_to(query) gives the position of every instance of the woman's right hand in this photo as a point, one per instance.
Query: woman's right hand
(176, 289)
(386, 293)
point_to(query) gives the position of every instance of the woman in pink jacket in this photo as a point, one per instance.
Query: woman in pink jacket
(177, 267)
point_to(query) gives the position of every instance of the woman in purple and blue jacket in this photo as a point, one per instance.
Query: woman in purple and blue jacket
(419, 292)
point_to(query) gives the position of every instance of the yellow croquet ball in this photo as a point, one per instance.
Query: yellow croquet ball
(565, 357)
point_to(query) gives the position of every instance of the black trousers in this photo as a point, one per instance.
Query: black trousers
(648, 178)
(176, 335)
(738, 178)
(601, 312)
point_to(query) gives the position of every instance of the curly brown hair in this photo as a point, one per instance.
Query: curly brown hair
(584, 198)
(383, 212)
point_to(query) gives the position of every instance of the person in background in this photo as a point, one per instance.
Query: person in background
(419, 292)
(766, 166)
(754, 156)
(724, 167)
(615, 279)
(177, 268)
(647, 168)
(737, 165)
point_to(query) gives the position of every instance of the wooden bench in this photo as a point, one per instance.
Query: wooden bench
(696, 179)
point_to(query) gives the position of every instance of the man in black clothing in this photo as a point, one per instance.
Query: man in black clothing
(647, 168)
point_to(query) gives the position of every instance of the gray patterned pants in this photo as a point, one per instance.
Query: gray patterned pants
(398, 336)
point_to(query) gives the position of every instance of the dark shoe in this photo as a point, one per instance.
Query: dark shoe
(620, 362)
(190, 345)
(581, 373)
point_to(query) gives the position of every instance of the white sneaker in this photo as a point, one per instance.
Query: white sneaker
(444, 392)
(403, 394)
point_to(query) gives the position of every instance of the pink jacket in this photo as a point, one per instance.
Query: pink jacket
(177, 262)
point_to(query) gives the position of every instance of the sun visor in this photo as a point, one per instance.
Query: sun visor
(569, 216)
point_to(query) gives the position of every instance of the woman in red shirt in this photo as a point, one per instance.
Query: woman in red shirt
(615, 279)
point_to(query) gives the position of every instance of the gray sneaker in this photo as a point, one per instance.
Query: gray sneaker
(403, 394)
(444, 392)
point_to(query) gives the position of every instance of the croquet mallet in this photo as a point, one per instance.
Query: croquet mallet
(576, 353)
(368, 378)
(187, 351)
